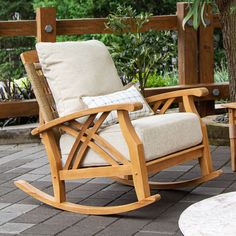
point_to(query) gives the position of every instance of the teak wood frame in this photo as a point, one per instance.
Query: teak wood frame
(134, 172)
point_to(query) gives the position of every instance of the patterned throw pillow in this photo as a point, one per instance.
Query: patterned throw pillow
(129, 95)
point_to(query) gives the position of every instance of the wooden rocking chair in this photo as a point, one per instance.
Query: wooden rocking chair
(132, 169)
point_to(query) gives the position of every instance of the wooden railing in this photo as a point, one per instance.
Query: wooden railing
(195, 49)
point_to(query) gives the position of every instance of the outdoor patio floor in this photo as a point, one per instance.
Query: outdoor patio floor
(21, 214)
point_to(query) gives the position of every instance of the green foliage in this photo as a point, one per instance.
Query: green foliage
(196, 12)
(160, 7)
(140, 64)
(11, 68)
(197, 8)
(221, 74)
(219, 51)
(16, 89)
(23, 7)
(67, 9)
(167, 79)
(137, 55)
(102, 8)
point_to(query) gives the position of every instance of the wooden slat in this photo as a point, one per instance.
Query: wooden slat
(97, 25)
(18, 28)
(166, 105)
(19, 109)
(77, 142)
(171, 160)
(106, 171)
(86, 26)
(80, 26)
(29, 57)
(223, 90)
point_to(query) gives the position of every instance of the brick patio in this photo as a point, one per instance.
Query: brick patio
(21, 214)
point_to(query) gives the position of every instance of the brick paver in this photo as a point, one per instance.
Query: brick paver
(23, 215)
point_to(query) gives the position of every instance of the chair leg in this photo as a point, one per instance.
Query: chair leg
(55, 165)
(140, 175)
(205, 161)
(136, 152)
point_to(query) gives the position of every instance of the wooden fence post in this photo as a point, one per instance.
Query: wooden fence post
(187, 49)
(206, 58)
(46, 29)
(46, 24)
(196, 55)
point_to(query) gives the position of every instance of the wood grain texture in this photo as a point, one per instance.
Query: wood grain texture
(77, 208)
(222, 87)
(90, 111)
(216, 21)
(187, 49)
(18, 108)
(206, 50)
(87, 26)
(29, 57)
(206, 59)
(198, 92)
(18, 28)
(232, 123)
(97, 25)
(45, 17)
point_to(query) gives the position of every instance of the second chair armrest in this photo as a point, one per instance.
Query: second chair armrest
(198, 92)
(91, 111)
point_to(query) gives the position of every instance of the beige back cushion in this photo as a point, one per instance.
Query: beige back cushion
(75, 69)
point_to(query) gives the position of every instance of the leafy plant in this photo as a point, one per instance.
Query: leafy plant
(221, 74)
(16, 89)
(196, 12)
(140, 55)
(167, 79)
(141, 64)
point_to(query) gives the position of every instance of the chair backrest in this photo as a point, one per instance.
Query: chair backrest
(76, 69)
(40, 86)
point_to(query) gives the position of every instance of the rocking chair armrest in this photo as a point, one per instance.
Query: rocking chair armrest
(91, 111)
(198, 92)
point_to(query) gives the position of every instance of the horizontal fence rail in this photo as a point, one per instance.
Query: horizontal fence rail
(86, 26)
(193, 47)
(22, 108)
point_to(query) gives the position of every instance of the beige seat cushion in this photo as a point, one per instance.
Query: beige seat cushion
(75, 69)
(160, 134)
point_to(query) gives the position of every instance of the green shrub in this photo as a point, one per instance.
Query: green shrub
(221, 73)
(167, 79)
(138, 55)
(102, 8)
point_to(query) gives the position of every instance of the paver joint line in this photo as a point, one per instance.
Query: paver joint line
(20, 214)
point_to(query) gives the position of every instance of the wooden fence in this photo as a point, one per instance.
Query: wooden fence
(195, 51)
